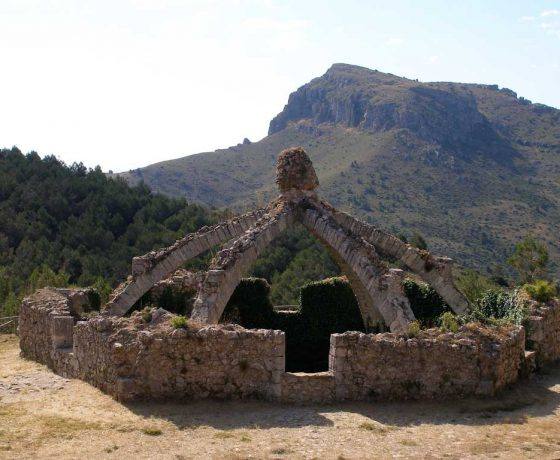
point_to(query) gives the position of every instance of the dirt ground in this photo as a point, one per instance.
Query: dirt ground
(45, 416)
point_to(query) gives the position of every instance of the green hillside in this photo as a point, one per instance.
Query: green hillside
(63, 225)
(66, 225)
(471, 167)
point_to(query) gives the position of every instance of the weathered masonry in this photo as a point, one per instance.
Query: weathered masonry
(143, 356)
(130, 358)
(357, 247)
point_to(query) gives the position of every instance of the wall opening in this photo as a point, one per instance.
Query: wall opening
(325, 307)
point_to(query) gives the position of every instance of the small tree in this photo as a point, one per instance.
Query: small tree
(418, 241)
(530, 259)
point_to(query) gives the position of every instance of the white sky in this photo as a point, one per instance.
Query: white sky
(126, 83)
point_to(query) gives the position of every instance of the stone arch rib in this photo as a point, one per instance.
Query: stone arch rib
(436, 271)
(378, 288)
(232, 262)
(156, 265)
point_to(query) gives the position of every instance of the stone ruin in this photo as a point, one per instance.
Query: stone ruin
(144, 356)
(357, 247)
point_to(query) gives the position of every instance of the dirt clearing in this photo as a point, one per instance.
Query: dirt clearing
(43, 415)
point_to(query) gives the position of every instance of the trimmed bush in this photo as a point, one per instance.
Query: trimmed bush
(425, 302)
(94, 300)
(250, 305)
(176, 301)
(541, 290)
(327, 307)
(330, 306)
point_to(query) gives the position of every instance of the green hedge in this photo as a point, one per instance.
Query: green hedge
(426, 303)
(250, 305)
(327, 307)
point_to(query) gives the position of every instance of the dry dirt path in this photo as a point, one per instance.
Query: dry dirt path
(45, 416)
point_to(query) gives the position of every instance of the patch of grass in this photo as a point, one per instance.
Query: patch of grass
(414, 329)
(146, 315)
(110, 449)
(223, 435)
(56, 425)
(448, 322)
(408, 442)
(245, 438)
(179, 322)
(280, 451)
(11, 410)
(152, 431)
(374, 427)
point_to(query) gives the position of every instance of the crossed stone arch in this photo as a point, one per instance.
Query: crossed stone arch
(357, 247)
(154, 266)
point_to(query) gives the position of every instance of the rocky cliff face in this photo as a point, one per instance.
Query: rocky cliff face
(361, 98)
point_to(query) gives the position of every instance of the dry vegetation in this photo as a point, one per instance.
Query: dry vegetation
(43, 415)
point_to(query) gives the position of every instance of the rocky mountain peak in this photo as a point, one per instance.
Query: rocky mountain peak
(353, 96)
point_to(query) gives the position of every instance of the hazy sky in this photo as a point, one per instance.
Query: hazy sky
(125, 83)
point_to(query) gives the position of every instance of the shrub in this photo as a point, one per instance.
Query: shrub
(94, 300)
(179, 322)
(146, 314)
(530, 259)
(448, 322)
(176, 301)
(414, 329)
(330, 306)
(497, 306)
(541, 290)
(327, 307)
(250, 305)
(495, 303)
(426, 303)
(473, 285)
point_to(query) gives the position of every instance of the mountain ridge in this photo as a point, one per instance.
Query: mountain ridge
(472, 167)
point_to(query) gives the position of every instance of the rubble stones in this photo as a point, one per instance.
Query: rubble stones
(294, 170)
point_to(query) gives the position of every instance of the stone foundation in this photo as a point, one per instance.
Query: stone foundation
(543, 332)
(475, 361)
(144, 357)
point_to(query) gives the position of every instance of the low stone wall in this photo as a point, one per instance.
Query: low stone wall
(130, 358)
(433, 365)
(144, 357)
(36, 324)
(543, 331)
(299, 387)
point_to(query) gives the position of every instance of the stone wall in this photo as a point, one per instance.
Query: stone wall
(475, 361)
(543, 331)
(130, 358)
(143, 357)
(299, 387)
(38, 315)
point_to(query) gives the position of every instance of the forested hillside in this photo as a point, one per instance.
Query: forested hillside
(68, 225)
(64, 224)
